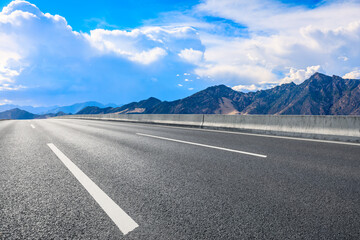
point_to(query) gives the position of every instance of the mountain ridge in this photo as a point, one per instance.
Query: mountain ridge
(69, 109)
(20, 114)
(318, 95)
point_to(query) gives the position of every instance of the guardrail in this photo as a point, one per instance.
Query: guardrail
(341, 128)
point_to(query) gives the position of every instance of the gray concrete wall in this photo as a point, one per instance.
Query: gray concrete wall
(343, 128)
(194, 120)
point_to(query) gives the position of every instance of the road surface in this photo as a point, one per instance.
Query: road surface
(86, 179)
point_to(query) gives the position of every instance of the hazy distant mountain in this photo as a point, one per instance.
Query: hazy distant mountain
(319, 95)
(55, 109)
(134, 107)
(17, 114)
(50, 115)
(34, 110)
(78, 106)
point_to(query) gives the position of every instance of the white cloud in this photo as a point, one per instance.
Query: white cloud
(43, 57)
(276, 43)
(190, 89)
(145, 45)
(273, 16)
(247, 74)
(147, 57)
(10, 87)
(191, 55)
(21, 7)
(280, 36)
(5, 101)
(344, 58)
(352, 75)
(275, 53)
(180, 85)
(241, 88)
(26, 34)
(298, 76)
(7, 74)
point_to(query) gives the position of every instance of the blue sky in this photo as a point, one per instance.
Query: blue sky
(110, 14)
(62, 52)
(125, 14)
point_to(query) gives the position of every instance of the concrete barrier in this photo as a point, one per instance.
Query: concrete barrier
(340, 128)
(191, 120)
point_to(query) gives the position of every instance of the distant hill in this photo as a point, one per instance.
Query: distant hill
(34, 110)
(78, 106)
(17, 113)
(318, 95)
(213, 100)
(50, 115)
(131, 108)
(55, 109)
(137, 107)
(95, 110)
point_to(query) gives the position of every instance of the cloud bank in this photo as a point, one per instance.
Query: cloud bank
(43, 61)
(248, 45)
(283, 43)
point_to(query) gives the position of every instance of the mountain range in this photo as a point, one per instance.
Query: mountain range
(55, 109)
(17, 113)
(318, 95)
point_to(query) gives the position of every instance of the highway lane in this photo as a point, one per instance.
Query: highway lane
(173, 189)
(39, 199)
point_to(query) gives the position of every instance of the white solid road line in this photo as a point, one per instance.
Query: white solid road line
(268, 136)
(123, 221)
(32, 126)
(248, 134)
(203, 145)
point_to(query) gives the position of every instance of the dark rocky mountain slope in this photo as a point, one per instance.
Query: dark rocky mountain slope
(318, 95)
(137, 107)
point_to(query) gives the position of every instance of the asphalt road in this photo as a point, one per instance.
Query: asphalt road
(172, 183)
